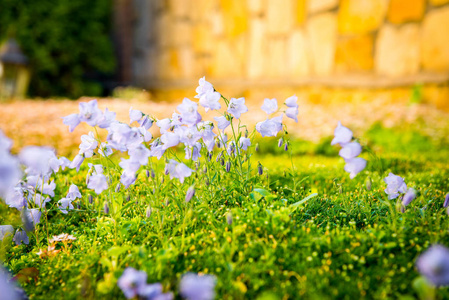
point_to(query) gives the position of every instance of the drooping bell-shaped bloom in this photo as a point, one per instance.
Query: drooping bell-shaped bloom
(127, 178)
(47, 188)
(77, 161)
(270, 127)
(65, 204)
(292, 113)
(9, 291)
(203, 88)
(222, 122)
(193, 152)
(210, 100)
(270, 106)
(354, 166)
(189, 112)
(37, 159)
(197, 287)
(408, 197)
(72, 121)
(73, 192)
(342, 135)
(88, 144)
(134, 115)
(140, 154)
(10, 173)
(434, 265)
(132, 282)
(105, 150)
(15, 198)
(40, 200)
(98, 182)
(21, 237)
(244, 143)
(237, 107)
(178, 170)
(31, 217)
(169, 139)
(350, 150)
(188, 135)
(395, 185)
(291, 101)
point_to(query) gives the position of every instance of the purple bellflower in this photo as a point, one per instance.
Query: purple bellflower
(90, 113)
(350, 150)
(21, 237)
(395, 185)
(408, 197)
(342, 135)
(270, 106)
(237, 107)
(178, 170)
(354, 166)
(98, 182)
(196, 287)
(270, 127)
(434, 265)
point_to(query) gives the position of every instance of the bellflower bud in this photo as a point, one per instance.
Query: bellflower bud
(190, 193)
(368, 184)
(260, 169)
(280, 142)
(286, 146)
(152, 173)
(257, 147)
(117, 188)
(91, 199)
(147, 173)
(446, 200)
(148, 212)
(228, 166)
(229, 218)
(222, 162)
(106, 208)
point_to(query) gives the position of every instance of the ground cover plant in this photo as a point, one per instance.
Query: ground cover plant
(210, 208)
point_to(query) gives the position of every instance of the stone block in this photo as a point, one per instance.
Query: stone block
(255, 7)
(298, 54)
(322, 34)
(439, 2)
(228, 58)
(202, 38)
(179, 32)
(397, 50)
(235, 17)
(279, 16)
(180, 8)
(300, 12)
(361, 16)
(435, 41)
(401, 11)
(316, 6)
(255, 61)
(276, 58)
(354, 54)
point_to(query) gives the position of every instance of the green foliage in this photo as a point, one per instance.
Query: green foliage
(67, 42)
(331, 238)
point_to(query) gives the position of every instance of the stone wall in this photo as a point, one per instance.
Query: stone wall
(355, 43)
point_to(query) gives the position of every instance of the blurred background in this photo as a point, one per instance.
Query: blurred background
(358, 61)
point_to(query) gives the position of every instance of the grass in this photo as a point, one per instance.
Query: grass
(346, 242)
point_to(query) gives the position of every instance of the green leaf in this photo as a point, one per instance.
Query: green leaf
(295, 205)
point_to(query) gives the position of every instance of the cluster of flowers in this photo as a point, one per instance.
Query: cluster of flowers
(29, 189)
(133, 284)
(349, 151)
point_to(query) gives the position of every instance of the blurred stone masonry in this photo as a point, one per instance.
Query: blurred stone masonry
(246, 45)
